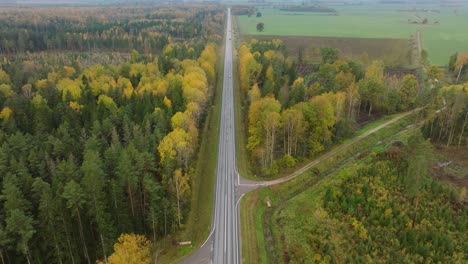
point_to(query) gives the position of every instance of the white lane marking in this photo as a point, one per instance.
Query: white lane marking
(212, 231)
(237, 204)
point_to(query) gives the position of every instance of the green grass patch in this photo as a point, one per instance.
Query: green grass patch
(371, 21)
(253, 210)
(375, 124)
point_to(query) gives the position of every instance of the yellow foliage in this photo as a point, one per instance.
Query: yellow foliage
(131, 249)
(38, 101)
(356, 224)
(108, 102)
(269, 55)
(186, 121)
(52, 77)
(160, 87)
(69, 87)
(167, 102)
(462, 59)
(68, 71)
(42, 84)
(272, 54)
(298, 82)
(254, 93)
(168, 49)
(152, 69)
(454, 88)
(195, 86)
(388, 212)
(144, 87)
(103, 83)
(209, 69)
(194, 109)
(6, 90)
(75, 106)
(94, 71)
(344, 79)
(157, 110)
(375, 70)
(363, 234)
(6, 113)
(339, 101)
(270, 74)
(126, 86)
(4, 77)
(186, 64)
(175, 144)
(249, 68)
(208, 59)
(136, 68)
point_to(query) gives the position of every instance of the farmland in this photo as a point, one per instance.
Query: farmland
(393, 52)
(374, 21)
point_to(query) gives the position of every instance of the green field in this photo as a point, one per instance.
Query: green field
(371, 21)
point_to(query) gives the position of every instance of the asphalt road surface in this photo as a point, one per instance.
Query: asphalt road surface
(226, 228)
(222, 245)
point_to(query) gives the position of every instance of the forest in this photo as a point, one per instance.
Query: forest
(111, 28)
(292, 117)
(95, 146)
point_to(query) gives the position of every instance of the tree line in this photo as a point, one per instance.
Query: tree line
(146, 29)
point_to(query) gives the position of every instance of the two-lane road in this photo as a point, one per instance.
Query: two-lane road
(222, 246)
(226, 228)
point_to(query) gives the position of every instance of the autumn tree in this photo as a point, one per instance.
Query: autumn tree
(181, 188)
(352, 99)
(264, 121)
(294, 128)
(408, 90)
(320, 116)
(249, 68)
(132, 249)
(175, 147)
(371, 88)
(208, 60)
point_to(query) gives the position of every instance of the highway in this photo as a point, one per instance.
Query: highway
(222, 245)
(226, 227)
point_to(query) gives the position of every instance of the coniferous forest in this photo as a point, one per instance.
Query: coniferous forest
(101, 113)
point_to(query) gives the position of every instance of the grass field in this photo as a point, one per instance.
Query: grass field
(393, 52)
(371, 21)
(257, 228)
